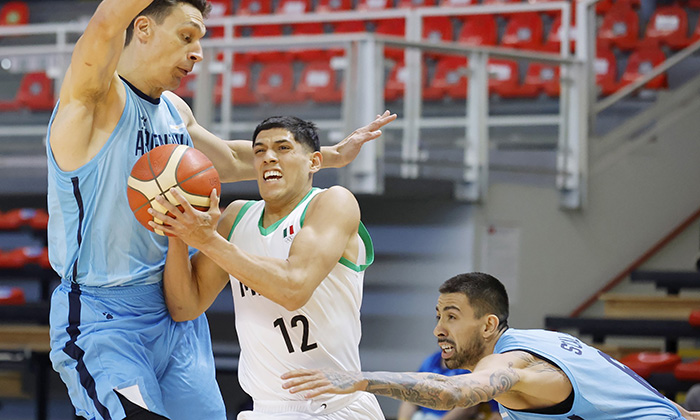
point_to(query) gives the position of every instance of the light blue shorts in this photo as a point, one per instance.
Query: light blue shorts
(122, 339)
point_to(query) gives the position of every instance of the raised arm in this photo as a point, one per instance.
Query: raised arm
(332, 217)
(86, 86)
(233, 159)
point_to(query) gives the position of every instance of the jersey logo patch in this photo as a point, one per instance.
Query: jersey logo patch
(288, 233)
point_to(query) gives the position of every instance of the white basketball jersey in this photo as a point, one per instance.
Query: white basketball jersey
(324, 333)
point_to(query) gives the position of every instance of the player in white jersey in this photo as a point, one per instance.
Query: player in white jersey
(296, 263)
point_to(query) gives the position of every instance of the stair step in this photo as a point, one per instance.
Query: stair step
(649, 307)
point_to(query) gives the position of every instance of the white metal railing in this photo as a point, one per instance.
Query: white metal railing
(364, 87)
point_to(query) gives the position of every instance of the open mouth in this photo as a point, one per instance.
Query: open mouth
(272, 175)
(447, 350)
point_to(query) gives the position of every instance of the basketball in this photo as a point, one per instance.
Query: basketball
(165, 167)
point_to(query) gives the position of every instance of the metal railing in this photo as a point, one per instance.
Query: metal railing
(363, 86)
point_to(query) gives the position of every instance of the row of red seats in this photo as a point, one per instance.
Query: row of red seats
(22, 257)
(318, 81)
(620, 28)
(275, 84)
(36, 219)
(646, 363)
(450, 77)
(12, 296)
(257, 7)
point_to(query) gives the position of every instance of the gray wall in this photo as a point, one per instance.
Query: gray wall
(566, 256)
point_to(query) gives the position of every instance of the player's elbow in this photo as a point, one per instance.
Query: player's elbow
(294, 301)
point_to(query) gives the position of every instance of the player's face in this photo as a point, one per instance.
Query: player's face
(283, 165)
(175, 46)
(459, 332)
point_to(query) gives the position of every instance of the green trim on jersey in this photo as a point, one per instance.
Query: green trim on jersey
(239, 216)
(268, 230)
(369, 251)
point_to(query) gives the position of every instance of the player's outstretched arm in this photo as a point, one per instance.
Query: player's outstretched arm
(332, 217)
(425, 389)
(233, 159)
(88, 79)
(191, 285)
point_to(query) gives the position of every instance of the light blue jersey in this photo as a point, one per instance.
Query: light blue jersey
(113, 342)
(94, 239)
(604, 389)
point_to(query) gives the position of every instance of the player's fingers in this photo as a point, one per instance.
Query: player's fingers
(214, 199)
(181, 200)
(297, 373)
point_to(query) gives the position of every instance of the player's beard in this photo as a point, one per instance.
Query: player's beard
(470, 356)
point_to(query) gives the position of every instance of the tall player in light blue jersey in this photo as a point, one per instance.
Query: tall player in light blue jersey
(532, 374)
(112, 340)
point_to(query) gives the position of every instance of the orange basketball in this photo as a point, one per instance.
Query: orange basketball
(165, 167)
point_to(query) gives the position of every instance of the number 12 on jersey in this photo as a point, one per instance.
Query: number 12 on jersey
(304, 345)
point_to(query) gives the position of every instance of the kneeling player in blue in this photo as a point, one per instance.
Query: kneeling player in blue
(532, 374)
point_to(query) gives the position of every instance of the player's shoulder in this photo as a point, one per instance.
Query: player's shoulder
(181, 106)
(335, 200)
(336, 194)
(230, 214)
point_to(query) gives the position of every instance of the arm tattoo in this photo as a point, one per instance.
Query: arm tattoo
(441, 392)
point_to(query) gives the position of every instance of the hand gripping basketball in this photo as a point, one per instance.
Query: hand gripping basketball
(168, 167)
(184, 221)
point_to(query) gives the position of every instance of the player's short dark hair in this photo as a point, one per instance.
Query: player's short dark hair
(304, 132)
(486, 294)
(160, 9)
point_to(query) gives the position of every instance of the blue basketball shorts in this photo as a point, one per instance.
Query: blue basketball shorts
(122, 340)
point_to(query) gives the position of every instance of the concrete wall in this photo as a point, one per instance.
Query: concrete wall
(566, 256)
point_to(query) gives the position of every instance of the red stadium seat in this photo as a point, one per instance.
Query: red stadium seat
(16, 258)
(620, 27)
(694, 4)
(219, 8)
(603, 6)
(396, 84)
(457, 3)
(276, 83)
(35, 93)
(306, 54)
(605, 68)
(541, 78)
(254, 7)
(694, 318)
(374, 5)
(437, 29)
(266, 31)
(450, 79)
(14, 13)
(646, 363)
(12, 296)
(318, 83)
(669, 25)
(524, 31)
(333, 5)
(39, 221)
(293, 7)
(241, 83)
(688, 371)
(553, 42)
(411, 4)
(478, 30)
(641, 62)
(15, 219)
(503, 78)
(392, 27)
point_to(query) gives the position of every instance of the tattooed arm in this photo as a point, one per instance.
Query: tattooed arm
(426, 389)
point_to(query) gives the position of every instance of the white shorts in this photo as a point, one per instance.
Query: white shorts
(364, 407)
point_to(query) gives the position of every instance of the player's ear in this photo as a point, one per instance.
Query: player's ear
(316, 161)
(142, 27)
(490, 326)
